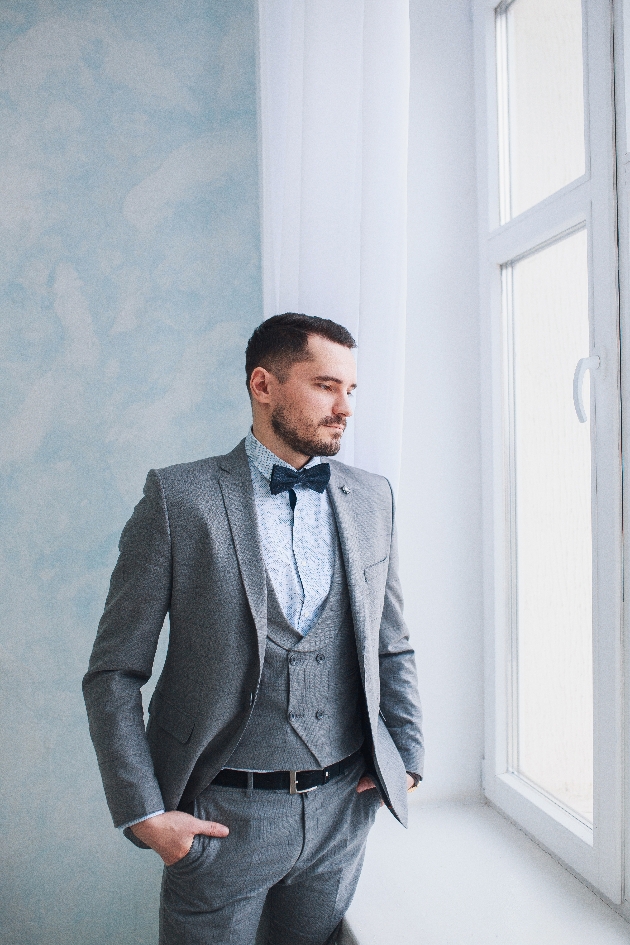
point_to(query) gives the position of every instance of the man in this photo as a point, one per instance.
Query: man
(288, 704)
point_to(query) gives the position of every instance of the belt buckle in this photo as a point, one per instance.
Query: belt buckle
(293, 786)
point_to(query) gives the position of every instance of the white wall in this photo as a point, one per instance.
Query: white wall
(439, 509)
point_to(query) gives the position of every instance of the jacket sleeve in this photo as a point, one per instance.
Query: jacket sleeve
(122, 658)
(400, 701)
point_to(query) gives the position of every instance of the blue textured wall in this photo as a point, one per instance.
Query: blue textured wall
(129, 283)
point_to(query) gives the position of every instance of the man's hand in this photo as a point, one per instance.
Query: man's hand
(171, 834)
(366, 783)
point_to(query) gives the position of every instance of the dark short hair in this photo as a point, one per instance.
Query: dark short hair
(282, 340)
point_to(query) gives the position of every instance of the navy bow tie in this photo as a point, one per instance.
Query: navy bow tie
(315, 477)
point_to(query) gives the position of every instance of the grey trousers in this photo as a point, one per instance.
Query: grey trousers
(298, 856)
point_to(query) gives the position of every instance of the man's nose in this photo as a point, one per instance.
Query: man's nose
(343, 406)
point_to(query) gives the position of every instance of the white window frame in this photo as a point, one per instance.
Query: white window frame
(622, 83)
(593, 854)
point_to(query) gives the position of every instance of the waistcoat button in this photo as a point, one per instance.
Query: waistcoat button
(320, 657)
(319, 714)
(292, 660)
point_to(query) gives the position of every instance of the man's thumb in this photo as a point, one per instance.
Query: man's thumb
(210, 828)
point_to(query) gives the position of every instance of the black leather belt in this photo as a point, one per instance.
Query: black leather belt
(295, 782)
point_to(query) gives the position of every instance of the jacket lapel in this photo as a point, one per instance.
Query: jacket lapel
(235, 482)
(342, 500)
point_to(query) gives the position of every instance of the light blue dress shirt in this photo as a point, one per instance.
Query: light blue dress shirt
(298, 546)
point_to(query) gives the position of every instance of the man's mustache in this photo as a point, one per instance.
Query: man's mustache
(333, 421)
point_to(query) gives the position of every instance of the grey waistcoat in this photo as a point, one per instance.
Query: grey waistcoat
(307, 712)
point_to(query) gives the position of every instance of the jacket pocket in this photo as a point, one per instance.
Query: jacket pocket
(375, 572)
(170, 718)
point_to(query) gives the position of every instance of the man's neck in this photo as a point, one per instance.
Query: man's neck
(278, 447)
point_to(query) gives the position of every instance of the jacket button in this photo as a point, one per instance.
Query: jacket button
(320, 714)
(320, 657)
(292, 716)
(293, 660)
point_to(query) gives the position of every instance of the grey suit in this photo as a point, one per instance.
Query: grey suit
(191, 550)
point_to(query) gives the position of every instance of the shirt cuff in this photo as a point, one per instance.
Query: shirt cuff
(140, 819)
(417, 778)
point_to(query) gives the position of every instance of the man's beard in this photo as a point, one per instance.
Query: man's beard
(306, 441)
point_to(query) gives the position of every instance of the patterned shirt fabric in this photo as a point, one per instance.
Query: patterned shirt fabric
(298, 547)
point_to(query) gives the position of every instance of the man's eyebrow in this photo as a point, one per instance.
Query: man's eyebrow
(335, 380)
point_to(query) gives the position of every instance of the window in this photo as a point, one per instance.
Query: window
(545, 307)
(540, 81)
(553, 552)
(622, 72)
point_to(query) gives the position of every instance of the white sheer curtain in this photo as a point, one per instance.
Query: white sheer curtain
(334, 95)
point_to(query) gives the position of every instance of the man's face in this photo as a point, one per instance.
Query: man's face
(310, 409)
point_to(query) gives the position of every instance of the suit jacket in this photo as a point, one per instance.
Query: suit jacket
(191, 550)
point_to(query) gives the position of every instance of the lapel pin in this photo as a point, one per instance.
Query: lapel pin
(345, 490)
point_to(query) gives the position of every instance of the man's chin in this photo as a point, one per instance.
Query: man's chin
(330, 447)
(324, 441)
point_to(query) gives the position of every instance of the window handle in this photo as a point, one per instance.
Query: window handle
(583, 365)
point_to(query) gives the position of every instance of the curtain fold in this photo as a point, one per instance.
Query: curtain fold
(334, 97)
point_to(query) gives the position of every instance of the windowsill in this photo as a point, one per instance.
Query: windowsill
(464, 874)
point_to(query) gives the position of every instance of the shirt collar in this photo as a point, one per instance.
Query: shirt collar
(264, 460)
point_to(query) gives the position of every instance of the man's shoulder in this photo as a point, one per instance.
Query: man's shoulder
(199, 469)
(366, 481)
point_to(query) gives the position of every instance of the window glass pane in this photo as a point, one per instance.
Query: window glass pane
(541, 87)
(551, 482)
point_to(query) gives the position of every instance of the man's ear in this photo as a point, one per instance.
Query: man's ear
(259, 385)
